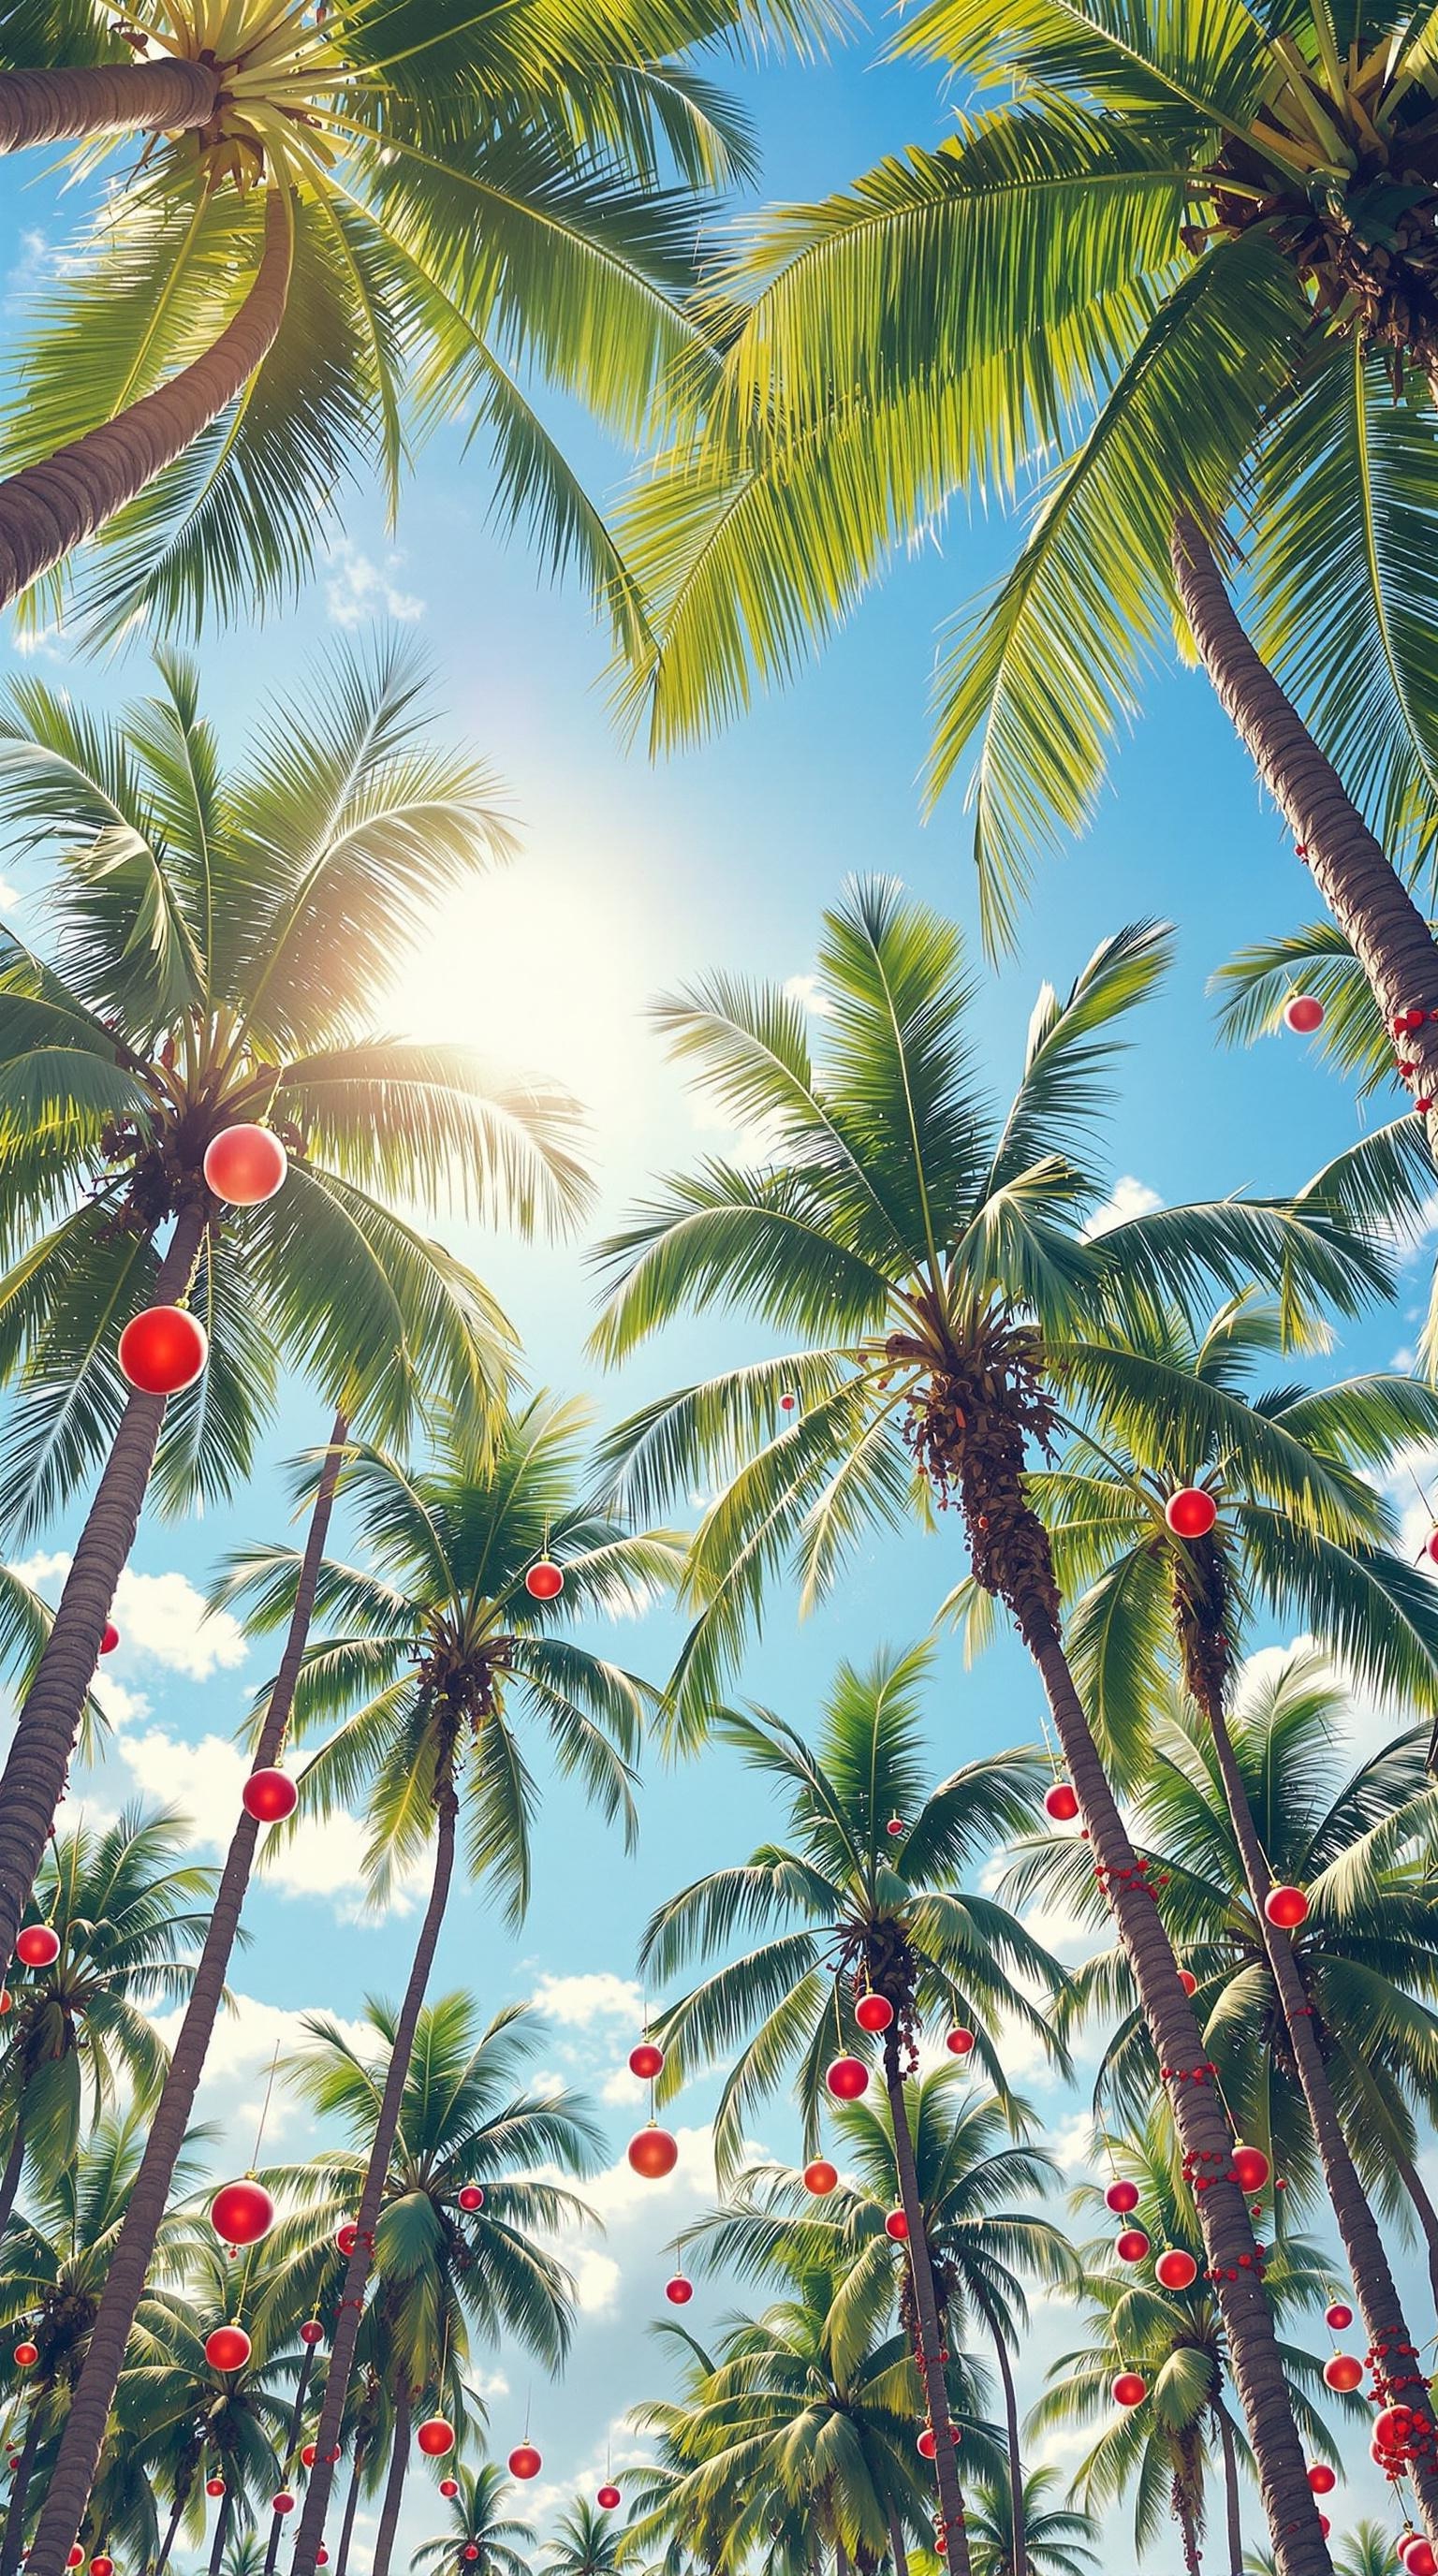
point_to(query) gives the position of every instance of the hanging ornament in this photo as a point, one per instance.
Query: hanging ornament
(1393, 2429)
(1321, 2478)
(1251, 2168)
(653, 2153)
(1188, 1981)
(646, 2061)
(347, 2237)
(608, 2499)
(309, 2455)
(927, 2444)
(873, 2012)
(1420, 2559)
(163, 1350)
(38, 1946)
(1338, 2315)
(821, 2177)
(1061, 1802)
(1190, 1513)
(469, 2550)
(895, 1827)
(227, 2348)
(545, 1580)
(312, 2332)
(76, 2557)
(471, 2197)
(7, 2000)
(896, 2225)
(110, 1638)
(1433, 1546)
(242, 2213)
(214, 2486)
(322, 2556)
(449, 2486)
(1176, 2269)
(269, 1796)
(959, 2042)
(102, 2566)
(1303, 1014)
(1121, 2197)
(283, 2502)
(1344, 2372)
(1132, 2246)
(679, 2291)
(786, 1403)
(1128, 2389)
(1287, 1907)
(524, 2461)
(435, 2437)
(245, 1165)
(847, 2078)
(26, 2356)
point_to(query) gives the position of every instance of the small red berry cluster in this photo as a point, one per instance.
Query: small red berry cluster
(1405, 1024)
(924, 2358)
(1253, 2262)
(1137, 1870)
(1191, 2075)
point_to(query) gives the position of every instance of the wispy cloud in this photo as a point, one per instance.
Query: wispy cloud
(359, 589)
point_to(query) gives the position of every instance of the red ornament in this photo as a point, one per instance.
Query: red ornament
(102, 2566)
(1191, 1512)
(1287, 1907)
(1132, 2245)
(214, 2486)
(76, 2557)
(1061, 1802)
(163, 1350)
(679, 2292)
(1324, 2525)
(308, 2455)
(873, 2012)
(1343, 2372)
(524, 2462)
(847, 2078)
(1321, 2478)
(449, 2486)
(26, 2356)
(1188, 1981)
(471, 2197)
(653, 2153)
(322, 2556)
(1128, 2389)
(896, 2225)
(470, 2550)
(242, 2213)
(1251, 2168)
(1420, 2560)
(895, 1827)
(435, 2437)
(1176, 2269)
(283, 2502)
(7, 2000)
(786, 1403)
(110, 1638)
(1304, 1013)
(959, 2042)
(269, 1796)
(228, 2348)
(1433, 1546)
(245, 1165)
(820, 2177)
(544, 1581)
(1121, 2197)
(645, 2061)
(347, 2238)
(312, 2331)
(1338, 2316)
(927, 2445)
(607, 2499)
(1393, 2429)
(38, 1946)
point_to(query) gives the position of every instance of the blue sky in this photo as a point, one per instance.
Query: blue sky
(632, 879)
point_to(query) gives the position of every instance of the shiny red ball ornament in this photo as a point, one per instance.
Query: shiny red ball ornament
(322, 2556)
(242, 2213)
(1176, 2269)
(347, 2238)
(679, 2291)
(435, 2437)
(38, 1946)
(653, 2153)
(449, 2486)
(1321, 2478)
(283, 2502)
(269, 1796)
(228, 2348)
(786, 1403)
(1132, 2246)
(7, 2000)
(1324, 2525)
(607, 2499)
(1061, 1802)
(163, 1350)
(1128, 2389)
(1251, 2168)
(1287, 1907)
(873, 2012)
(847, 2078)
(26, 2356)
(1344, 2372)
(76, 2557)
(214, 2486)
(1303, 1014)
(1188, 1981)
(896, 2225)
(1420, 2559)
(110, 1638)
(102, 2566)
(1393, 2429)
(245, 1165)
(645, 2061)
(309, 2455)
(821, 2177)
(1338, 2316)
(471, 2197)
(544, 1581)
(1433, 1546)
(927, 2444)
(312, 2332)
(959, 2042)
(470, 2550)
(525, 2462)
(895, 1827)
(1121, 2197)
(1190, 1513)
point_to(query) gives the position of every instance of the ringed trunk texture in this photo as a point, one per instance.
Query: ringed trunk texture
(14, 2540)
(171, 2530)
(897, 2549)
(393, 2486)
(347, 2527)
(84, 2433)
(1233, 2517)
(168, 97)
(292, 2451)
(47, 509)
(9, 2185)
(1392, 2353)
(1360, 886)
(1019, 2518)
(951, 2532)
(351, 2307)
(222, 2533)
(35, 1771)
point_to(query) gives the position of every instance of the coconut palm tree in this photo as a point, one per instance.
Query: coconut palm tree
(480, 2519)
(1053, 2540)
(937, 1263)
(584, 2542)
(436, 1646)
(238, 2418)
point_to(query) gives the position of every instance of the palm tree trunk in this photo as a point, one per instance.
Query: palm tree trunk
(342, 2559)
(80, 2443)
(351, 2306)
(1184, 2515)
(292, 2445)
(47, 509)
(1396, 2359)
(10, 2180)
(166, 97)
(1427, 2215)
(182, 2498)
(897, 2549)
(14, 2540)
(951, 2532)
(1020, 2534)
(39, 1757)
(222, 2532)
(1231, 2505)
(1363, 891)
(393, 2487)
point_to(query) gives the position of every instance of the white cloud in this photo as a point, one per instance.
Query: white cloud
(10, 897)
(1128, 1198)
(808, 993)
(1071, 2144)
(585, 1999)
(360, 589)
(160, 1615)
(237, 2067)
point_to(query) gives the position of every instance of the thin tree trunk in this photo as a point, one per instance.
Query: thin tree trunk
(84, 2433)
(47, 509)
(1417, 2191)
(1231, 2505)
(897, 2548)
(292, 2447)
(167, 97)
(14, 2540)
(1361, 887)
(393, 2487)
(1020, 2533)
(44, 1740)
(351, 2306)
(10, 2180)
(222, 2532)
(182, 2498)
(1188, 2526)
(351, 2507)
(1395, 2360)
(952, 2532)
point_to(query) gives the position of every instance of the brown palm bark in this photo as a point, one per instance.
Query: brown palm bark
(172, 2527)
(48, 508)
(1019, 2519)
(80, 2443)
(951, 2537)
(897, 2549)
(1361, 887)
(292, 2449)
(14, 2540)
(1232, 2511)
(1425, 2212)
(39, 1758)
(351, 2306)
(62, 106)
(342, 2559)
(222, 2533)
(393, 2486)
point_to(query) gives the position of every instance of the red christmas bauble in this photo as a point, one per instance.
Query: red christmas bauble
(820, 2177)
(1132, 2245)
(679, 2291)
(927, 2444)
(449, 2486)
(959, 2042)
(242, 2213)
(163, 1350)
(1338, 2316)
(1061, 1802)
(435, 2437)
(1420, 2560)
(214, 2486)
(525, 2462)
(110, 1638)
(1393, 2429)
(1176, 2269)
(1251, 2168)
(1343, 2372)
(1304, 1013)
(895, 1827)
(786, 1403)
(245, 1165)
(544, 1581)
(283, 2502)
(347, 2237)
(873, 2012)
(1287, 1907)
(645, 2061)
(470, 2550)
(847, 2078)
(76, 2557)
(102, 2566)
(1324, 2525)
(322, 2556)
(471, 2197)
(1321, 2478)
(312, 2331)
(1121, 2197)
(38, 1946)
(7, 2000)
(1190, 1513)
(653, 2153)
(309, 2455)
(26, 2356)
(269, 1796)
(1188, 1981)
(227, 2348)
(1128, 2389)
(896, 2225)
(607, 2499)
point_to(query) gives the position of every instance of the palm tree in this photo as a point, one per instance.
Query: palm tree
(934, 1257)
(434, 1647)
(1050, 2540)
(584, 2542)
(220, 943)
(239, 2418)
(479, 2519)
(129, 1914)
